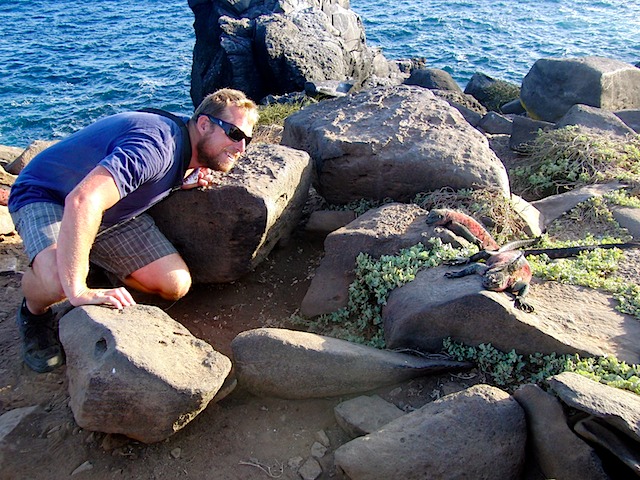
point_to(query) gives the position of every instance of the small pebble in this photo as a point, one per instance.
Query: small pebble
(176, 452)
(82, 468)
(323, 438)
(294, 463)
(310, 470)
(318, 450)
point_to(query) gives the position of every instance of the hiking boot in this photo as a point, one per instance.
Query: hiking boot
(41, 349)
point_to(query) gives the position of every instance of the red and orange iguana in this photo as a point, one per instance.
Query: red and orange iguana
(462, 225)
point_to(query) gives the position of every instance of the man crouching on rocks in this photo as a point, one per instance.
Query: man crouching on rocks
(83, 199)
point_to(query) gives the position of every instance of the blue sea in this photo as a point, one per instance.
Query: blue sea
(66, 63)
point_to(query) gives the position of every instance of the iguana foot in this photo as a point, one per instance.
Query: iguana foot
(524, 306)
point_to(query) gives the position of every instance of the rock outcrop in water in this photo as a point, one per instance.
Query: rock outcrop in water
(275, 46)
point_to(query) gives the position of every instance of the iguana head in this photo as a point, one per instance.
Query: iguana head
(497, 280)
(436, 216)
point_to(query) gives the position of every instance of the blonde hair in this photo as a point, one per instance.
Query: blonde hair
(215, 103)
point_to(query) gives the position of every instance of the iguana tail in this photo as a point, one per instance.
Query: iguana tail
(518, 244)
(566, 252)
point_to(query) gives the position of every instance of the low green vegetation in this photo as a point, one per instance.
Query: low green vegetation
(275, 113)
(361, 320)
(621, 197)
(510, 370)
(500, 93)
(564, 158)
(594, 269)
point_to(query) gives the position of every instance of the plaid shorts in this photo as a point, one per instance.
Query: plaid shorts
(121, 249)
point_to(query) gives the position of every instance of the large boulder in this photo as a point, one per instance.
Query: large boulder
(567, 319)
(433, 79)
(478, 433)
(136, 371)
(6, 223)
(9, 154)
(275, 46)
(392, 142)
(554, 85)
(291, 364)
(491, 93)
(617, 408)
(595, 120)
(524, 132)
(225, 231)
(22, 160)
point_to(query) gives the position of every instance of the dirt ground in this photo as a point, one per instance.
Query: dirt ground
(241, 437)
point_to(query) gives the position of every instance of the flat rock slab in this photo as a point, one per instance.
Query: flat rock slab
(618, 408)
(22, 160)
(567, 319)
(364, 414)
(136, 371)
(621, 446)
(478, 433)
(596, 120)
(11, 419)
(629, 218)
(223, 232)
(297, 365)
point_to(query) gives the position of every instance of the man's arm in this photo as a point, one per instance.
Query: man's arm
(83, 210)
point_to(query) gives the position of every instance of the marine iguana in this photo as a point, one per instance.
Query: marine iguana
(508, 269)
(503, 271)
(463, 225)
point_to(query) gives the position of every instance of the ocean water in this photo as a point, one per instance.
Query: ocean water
(501, 38)
(66, 63)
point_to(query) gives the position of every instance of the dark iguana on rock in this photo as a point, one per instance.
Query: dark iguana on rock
(462, 225)
(504, 271)
(507, 270)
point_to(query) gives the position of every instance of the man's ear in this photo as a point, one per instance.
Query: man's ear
(203, 123)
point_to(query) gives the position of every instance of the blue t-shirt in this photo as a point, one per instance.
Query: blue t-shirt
(142, 151)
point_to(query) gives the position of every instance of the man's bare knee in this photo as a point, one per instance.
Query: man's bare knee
(177, 286)
(168, 277)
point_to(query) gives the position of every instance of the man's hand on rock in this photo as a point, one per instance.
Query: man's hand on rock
(200, 177)
(115, 297)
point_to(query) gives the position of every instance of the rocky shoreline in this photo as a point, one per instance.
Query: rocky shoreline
(400, 132)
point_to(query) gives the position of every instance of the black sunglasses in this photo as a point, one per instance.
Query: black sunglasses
(233, 132)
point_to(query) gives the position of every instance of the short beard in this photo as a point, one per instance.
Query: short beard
(212, 161)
